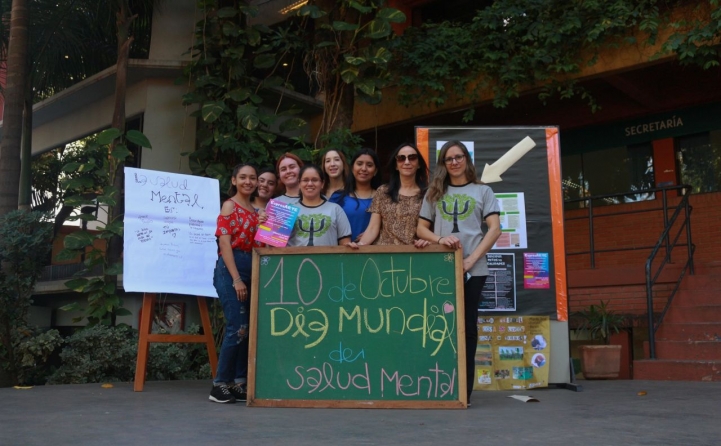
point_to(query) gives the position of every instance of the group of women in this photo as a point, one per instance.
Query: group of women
(344, 204)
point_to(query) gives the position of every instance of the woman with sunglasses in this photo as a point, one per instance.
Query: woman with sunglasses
(360, 185)
(456, 204)
(320, 222)
(396, 205)
(288, 169)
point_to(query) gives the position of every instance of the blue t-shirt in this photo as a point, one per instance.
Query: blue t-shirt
(355, 210)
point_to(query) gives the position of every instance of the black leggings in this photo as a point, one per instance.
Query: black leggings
(471, 295)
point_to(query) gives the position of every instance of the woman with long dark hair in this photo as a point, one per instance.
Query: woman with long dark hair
(236, 227)
(267, 183)
(360, 185)
(396, 205)
(456, 204)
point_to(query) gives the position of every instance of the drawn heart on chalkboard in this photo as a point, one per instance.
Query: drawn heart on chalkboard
(448, 307)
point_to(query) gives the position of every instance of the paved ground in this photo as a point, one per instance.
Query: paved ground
(179, 413)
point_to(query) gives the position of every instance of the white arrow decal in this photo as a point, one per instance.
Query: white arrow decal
(492, 173)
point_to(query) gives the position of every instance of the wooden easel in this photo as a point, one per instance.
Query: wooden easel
(146, 337)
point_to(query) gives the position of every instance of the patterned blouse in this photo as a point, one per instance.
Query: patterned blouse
(241, 225)
(398, 220)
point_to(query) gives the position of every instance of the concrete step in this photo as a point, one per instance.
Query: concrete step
(687, 350)
(689, 331)
(676, 370)
(698, 313)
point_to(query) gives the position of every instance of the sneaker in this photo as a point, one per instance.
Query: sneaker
(239, 392)
(221, 394)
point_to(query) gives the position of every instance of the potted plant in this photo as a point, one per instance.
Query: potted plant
(600, 361)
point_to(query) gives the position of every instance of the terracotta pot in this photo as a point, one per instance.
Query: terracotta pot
(600, 361)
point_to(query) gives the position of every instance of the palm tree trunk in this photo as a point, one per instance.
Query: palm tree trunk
(26, 158)
(14, 104)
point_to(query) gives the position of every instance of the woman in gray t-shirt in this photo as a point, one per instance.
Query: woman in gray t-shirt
(455, 205)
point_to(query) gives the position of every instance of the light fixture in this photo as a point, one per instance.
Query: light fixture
(293, 6)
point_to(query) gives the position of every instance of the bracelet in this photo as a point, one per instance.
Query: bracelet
(438, 242)
(237, 280)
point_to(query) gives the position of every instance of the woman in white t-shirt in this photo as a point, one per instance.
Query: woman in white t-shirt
(455, 205)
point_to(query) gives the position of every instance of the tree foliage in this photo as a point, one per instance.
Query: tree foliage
(82, 188)
(348, 55)
(24, 248)
(514, 45)
(236, 87)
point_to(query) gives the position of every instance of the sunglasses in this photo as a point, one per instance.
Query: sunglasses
(402, 158)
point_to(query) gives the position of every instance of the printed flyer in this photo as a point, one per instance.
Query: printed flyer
(535, 271)
(513, 221)
(499, 292)
(513, 352)
(276, 230)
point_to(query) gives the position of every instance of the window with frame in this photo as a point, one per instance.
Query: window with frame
(626, 169)
(699, 161)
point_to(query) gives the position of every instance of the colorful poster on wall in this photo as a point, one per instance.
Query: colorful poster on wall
(499, 292)
(535, 271)
(513, 221)
(512, 353)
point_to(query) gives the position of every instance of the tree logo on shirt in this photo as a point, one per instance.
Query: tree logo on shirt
(456, 207)
(313, 225)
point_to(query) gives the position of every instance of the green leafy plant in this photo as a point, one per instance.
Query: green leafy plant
(233, 79)
(104, 304)
(24, 249)
(599, 321)
(512, 46)
(350, 54)
(35, 348)
(171, 361)
(101, 353)
(98, 353)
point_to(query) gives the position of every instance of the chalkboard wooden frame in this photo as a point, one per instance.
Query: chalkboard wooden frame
(457, 259)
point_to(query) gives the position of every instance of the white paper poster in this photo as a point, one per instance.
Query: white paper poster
(513, 221)
(170, 222)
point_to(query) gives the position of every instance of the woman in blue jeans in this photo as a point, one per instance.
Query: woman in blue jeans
(237, 224)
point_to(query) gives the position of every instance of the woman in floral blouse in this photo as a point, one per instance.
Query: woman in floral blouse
(395, 207)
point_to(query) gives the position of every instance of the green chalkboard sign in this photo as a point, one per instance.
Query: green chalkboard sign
(376, 327)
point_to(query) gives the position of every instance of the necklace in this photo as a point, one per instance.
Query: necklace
(357, 195)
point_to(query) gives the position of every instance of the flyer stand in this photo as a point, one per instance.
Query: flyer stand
(146, 337)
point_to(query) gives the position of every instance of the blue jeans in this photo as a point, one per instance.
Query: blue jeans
(233, 358)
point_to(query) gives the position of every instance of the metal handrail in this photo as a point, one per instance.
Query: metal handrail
(664, 240)
(650, 282)
(685, 189)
